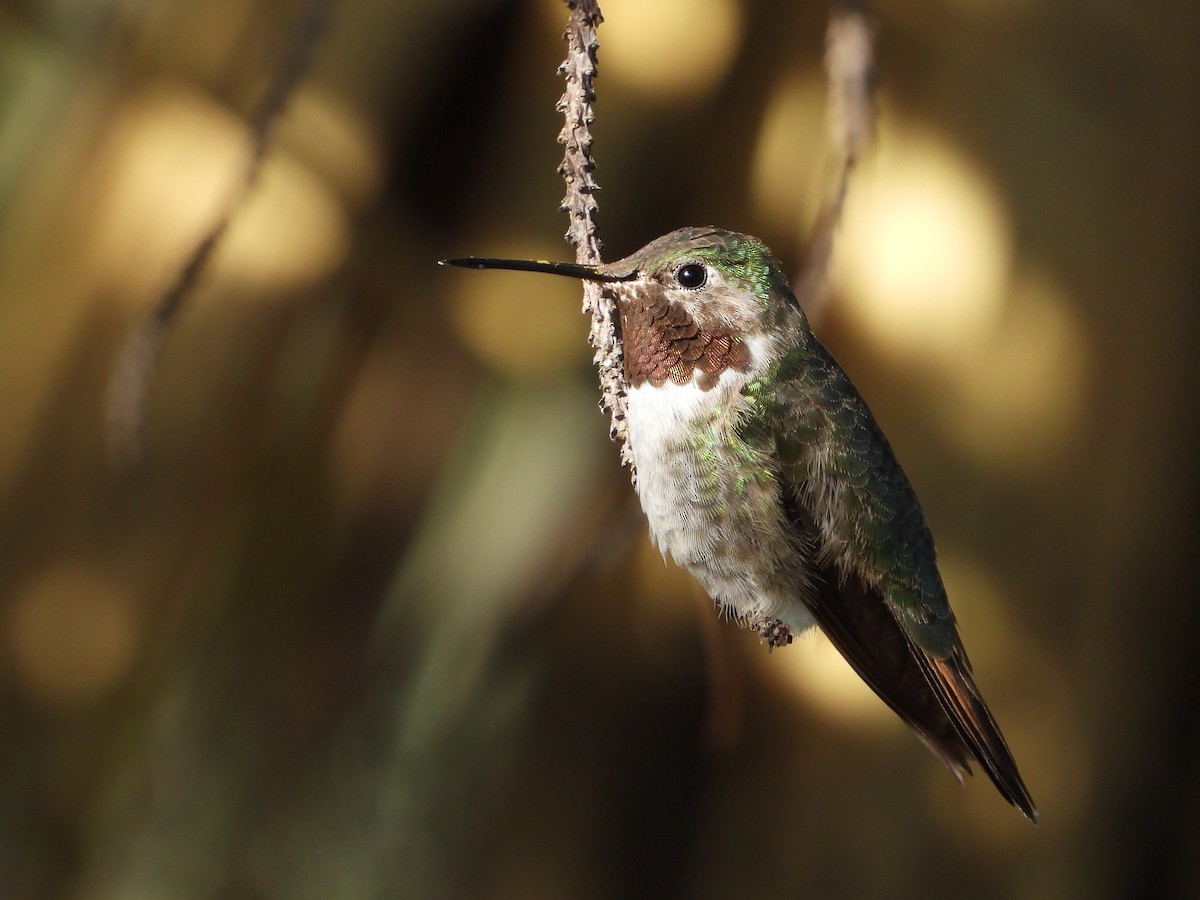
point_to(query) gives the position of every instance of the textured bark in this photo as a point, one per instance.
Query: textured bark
(579, 70)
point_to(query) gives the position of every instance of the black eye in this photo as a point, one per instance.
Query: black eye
(693, 275)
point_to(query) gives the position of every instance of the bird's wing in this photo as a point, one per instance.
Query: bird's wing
(935, 695)
(875, 589)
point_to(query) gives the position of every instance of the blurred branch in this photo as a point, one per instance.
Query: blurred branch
(850, 68)
(579, 69)
(125, 411)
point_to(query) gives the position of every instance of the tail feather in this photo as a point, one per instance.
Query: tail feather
(936, 697)
(934, 694)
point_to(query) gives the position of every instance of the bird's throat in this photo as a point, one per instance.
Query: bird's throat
(663, 342)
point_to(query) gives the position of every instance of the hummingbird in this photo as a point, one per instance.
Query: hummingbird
(764, 474)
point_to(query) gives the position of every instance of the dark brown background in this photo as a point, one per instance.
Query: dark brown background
(381, 619)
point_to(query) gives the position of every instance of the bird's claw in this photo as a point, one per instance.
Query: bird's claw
(775, 633)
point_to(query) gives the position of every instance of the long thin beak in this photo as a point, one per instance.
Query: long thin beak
(571, 270)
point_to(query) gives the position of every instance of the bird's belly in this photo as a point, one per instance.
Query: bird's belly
(712, 506)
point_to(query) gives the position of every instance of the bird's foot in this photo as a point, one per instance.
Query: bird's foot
(775, 633)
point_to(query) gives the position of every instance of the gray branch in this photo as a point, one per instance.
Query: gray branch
(129, 390)
(850, 68)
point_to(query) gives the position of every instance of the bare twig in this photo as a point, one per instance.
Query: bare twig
(130, 387)
(850, 67)
(579, 69)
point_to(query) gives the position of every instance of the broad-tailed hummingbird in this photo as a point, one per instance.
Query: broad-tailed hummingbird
(765, 475)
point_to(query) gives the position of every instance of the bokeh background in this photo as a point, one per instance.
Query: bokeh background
(379, 617)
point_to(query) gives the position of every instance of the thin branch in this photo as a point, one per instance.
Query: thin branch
(579, 70)
(129, 389)
(850, 68)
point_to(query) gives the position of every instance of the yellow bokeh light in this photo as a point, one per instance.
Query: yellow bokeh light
(789, 159)
(814, 669)
(1017, 402)
(172, 161)
(291, 233)
(923, 262)
(523, 325)
(71, 634)
(674, 47)
(337, 141)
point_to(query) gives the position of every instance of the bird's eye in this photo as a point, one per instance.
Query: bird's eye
(691, 276)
